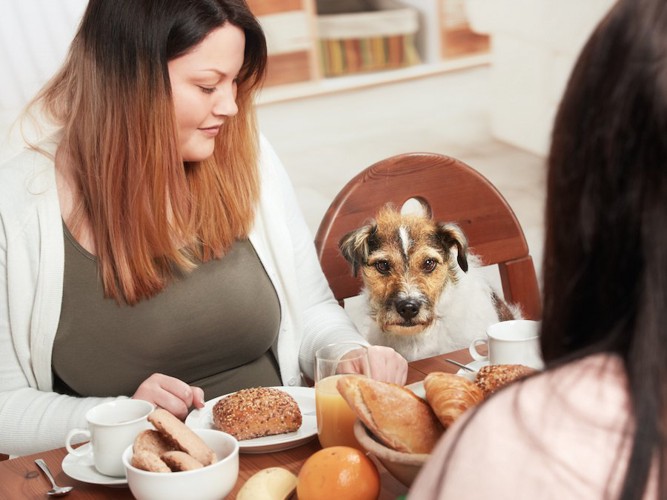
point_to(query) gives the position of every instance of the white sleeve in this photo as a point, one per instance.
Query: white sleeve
(323, 321)
(31, 420)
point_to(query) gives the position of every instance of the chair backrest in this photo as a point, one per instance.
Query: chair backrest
(452, 191)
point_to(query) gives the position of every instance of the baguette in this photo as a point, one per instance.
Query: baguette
(394, 414)
(450, 395)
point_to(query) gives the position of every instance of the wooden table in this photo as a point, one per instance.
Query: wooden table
(21, 479)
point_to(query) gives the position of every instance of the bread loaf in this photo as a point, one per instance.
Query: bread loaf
(394, 414)
(257, 412)
(490, 378)
(450, 395)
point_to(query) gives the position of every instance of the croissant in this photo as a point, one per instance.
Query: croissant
(394, 414)
(450, 395)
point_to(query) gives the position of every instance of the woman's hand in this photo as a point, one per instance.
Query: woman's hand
(387, 365)
(170, 393)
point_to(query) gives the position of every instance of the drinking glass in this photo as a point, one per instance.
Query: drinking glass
(335, 419)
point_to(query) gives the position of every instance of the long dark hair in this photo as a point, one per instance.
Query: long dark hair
(605, 257)
(112, 99)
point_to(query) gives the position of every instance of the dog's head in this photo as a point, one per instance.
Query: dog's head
(406, 261)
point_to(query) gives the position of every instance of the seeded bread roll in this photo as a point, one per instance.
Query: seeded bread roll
(490, 378)
(257, 412)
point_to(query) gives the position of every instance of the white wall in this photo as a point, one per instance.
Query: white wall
(534, 44)
(34, 38)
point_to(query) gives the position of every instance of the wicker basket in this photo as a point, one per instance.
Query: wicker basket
(365, 35)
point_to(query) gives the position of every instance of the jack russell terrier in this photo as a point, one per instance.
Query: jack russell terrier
(424, 290)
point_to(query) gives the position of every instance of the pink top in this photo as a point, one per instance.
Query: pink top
(559, 435)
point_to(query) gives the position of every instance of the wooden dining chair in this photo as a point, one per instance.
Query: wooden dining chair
(450, 191)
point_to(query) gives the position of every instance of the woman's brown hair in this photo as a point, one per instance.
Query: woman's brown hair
(149, 212)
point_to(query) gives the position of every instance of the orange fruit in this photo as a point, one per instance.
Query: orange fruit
(338, 472)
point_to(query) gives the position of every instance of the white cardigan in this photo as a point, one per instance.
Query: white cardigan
(32, 417)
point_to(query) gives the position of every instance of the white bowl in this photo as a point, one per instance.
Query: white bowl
(212, 482)
(403, 466)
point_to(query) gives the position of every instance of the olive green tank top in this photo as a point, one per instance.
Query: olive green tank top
(213, 328)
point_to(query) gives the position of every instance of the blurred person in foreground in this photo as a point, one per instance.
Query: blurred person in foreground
(594, 424)
(152, 245)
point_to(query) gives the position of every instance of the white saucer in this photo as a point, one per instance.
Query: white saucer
(82, 469)
(304, 397)
(475, 365)
(418, 387)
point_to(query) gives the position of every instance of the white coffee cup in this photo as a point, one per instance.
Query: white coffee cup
(112, 427)
(511, 342)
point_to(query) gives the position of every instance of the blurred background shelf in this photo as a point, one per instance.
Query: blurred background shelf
(284, 92)
(436, 38)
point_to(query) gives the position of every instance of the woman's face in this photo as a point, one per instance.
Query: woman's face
(203, 85)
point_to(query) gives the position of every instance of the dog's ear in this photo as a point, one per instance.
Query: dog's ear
(355, 246)
(451, 234)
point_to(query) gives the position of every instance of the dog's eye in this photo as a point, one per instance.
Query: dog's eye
(382, 266)
(429, 265)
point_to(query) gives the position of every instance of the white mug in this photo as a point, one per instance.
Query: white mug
(511, 342)
(112, 427)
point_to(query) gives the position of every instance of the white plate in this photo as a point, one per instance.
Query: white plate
(82, 469)
(305, 398)
(475, 365)
(418, 387)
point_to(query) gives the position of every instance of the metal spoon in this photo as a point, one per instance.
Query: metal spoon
(56, 491)
(461, 365)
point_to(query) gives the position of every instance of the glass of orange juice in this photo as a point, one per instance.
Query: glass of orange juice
(335, 418)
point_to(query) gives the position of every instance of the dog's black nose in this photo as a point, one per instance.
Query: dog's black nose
(408, 309)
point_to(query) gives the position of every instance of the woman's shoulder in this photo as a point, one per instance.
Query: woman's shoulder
(580, 388)
(27, 178)
(268, 158)
(549, 431)
(585, 399)
(29, 160)
(271, 168)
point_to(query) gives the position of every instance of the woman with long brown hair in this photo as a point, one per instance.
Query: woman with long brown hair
(593, 425)
(152, 246)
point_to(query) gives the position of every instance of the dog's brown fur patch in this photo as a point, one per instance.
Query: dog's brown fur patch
(404, 257)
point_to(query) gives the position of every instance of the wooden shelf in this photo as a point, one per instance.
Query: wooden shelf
(294, 68)
(280, 93)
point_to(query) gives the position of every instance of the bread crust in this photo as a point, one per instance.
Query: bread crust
(181, 436)
(180, 461)
(257, 412)
(395, 415)
(151, 441)
(490, 378)
(149, 461)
